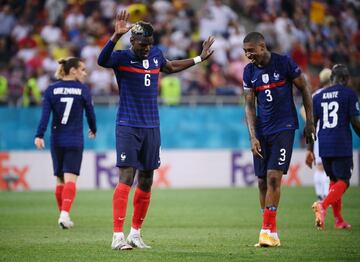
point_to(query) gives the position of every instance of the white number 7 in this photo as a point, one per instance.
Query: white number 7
(69, 101)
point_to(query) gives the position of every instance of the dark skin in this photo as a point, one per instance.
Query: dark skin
(269, 186)
(141, 46)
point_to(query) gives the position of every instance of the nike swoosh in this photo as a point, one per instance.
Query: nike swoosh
(253, 81)
(280, 164)
(133, 62)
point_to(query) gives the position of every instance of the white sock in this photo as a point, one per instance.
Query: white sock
(134, 231)
(119, 234)
(64, 214)
(318, 182)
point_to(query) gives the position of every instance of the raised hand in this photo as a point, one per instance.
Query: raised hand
(206, 51)
(121, 24)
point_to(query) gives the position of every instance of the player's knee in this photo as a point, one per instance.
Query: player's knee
(126, 175)
(274, 182)
(346, 181)
(145, 180)
(262, 184)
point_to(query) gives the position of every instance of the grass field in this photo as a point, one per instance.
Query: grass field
(182, 225)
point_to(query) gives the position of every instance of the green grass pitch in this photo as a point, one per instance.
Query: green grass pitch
(182, 225)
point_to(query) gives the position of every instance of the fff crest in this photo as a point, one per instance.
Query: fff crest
(156, 62)
(146, 64)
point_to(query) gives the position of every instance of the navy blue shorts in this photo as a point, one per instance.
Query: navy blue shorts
(276, 150)
(66, 160)
(138, 147)
(338, 167)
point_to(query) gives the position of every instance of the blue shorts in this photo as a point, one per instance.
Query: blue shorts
(338, 167)
(66, 160)
(276, 150)
(138, 147)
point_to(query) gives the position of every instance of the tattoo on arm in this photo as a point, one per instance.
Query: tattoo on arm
(301, 83)
(250, 111)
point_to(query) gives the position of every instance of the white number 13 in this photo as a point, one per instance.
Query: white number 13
(330, 111)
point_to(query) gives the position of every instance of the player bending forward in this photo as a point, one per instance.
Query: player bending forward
(137, 125)
(269, 79)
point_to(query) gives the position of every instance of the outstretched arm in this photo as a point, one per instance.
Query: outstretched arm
(309, 130)
(179, 65)
(121, 27)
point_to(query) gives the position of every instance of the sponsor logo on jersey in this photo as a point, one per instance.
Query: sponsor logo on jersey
(265, 78)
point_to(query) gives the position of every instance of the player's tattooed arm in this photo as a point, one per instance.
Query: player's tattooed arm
(309, 130)
(179, 65)
(250, 113)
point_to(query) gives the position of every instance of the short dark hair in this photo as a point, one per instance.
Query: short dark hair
(142, 28)
(254, 37)
(340, 74)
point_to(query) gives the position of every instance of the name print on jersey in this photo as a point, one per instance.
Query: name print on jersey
(67, 91)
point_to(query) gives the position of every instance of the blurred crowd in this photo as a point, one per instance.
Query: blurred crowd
(34, 34)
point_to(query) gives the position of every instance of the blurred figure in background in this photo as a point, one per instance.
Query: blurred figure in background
(66, 99)
(336, 108)
(321, 181)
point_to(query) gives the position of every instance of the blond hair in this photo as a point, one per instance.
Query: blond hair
(65, 64)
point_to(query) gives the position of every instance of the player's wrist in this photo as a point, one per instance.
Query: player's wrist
(197, 59)
(115, 37)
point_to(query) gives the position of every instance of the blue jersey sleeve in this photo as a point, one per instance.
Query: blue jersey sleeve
(89, 110)
(293, 70)
(247, 78)
(162, 61)
(45, 115)
(354, 109)
(107, 57)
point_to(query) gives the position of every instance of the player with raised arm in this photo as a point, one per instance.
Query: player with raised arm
(137, 125)
(321, 180)
(336, 108)
(66, 99)
(268, 79)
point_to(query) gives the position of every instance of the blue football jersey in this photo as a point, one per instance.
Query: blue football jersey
(67, 100)
(138, 84)
(274, 95)
(333, 107)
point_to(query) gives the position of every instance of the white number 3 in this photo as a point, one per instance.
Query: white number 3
(268, 95)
